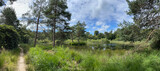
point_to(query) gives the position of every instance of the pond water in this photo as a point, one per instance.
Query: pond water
(111, 46)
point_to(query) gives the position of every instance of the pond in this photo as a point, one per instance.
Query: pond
(112, 46)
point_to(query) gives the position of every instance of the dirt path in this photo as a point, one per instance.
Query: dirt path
(21, 62)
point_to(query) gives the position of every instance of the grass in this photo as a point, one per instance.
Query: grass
(8, 59)
(136, 44)
(58, 59)
(65, 59)
(26, 47)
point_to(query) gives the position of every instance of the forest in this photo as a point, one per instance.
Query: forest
(59, 46)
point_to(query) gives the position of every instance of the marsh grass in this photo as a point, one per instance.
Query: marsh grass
(8, 59)
(65, 59)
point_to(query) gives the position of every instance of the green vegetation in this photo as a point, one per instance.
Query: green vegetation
(8, 59)
(9, 37)
(134, 46)
(78, 43)
(61, 58)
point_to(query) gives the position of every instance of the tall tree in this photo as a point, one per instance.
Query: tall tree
(129, 32)
(87, 35)
(146, 12)
(36, 14)
(72, 33)
(80, 30)
(10, 17)
(56, 12)
(96, 33)
(63, 33)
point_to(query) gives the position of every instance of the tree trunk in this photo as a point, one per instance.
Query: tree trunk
(78, 39)
(54, 27)
(35, 41)
(72, 38)
(54, 24)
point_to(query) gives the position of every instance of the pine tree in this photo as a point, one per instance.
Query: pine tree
(57, 13)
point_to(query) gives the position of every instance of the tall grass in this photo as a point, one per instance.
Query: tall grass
(8, 60)
(58, 59)
(65, 59)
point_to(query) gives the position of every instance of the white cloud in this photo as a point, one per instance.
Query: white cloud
(20, 6)
(99, 23)
(103, 28)
(98, 11)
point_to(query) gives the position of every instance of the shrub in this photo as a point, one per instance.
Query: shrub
(155, 44)
(78, 44)
(45, 46)
(58, 42)
(107, 41)
(156, 40)
(9, 37)
(44, 41)
(25, 47)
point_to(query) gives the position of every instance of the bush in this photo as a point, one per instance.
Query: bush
(24, 34)
(155, 44)
(44, 41)
(107, 41)
(78, 44)
(9, 37)
(45, 46)
(156, 40)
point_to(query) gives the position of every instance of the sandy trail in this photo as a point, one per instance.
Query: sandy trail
(21, 62)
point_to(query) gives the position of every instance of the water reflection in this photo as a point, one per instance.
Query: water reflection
(111, 46)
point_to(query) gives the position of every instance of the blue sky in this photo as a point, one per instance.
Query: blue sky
(101, 15)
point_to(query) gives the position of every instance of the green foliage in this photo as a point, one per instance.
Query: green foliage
(8, 59)
(110, 35)
(107, 41)
(2, 3)
(45, 41)
(24, 35)
(152, 63)
(62, 59)
(156, 40)
(80, 30)
(96, 33)
(10, 17)
(25, 47)
(2, 59)
(142, 11)
(57, 13)
(41, 60)
(65, 59)
(62, 35)
(9, 37)
(129, 32)
(45, 46)
(78, 43)
(155, 44)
